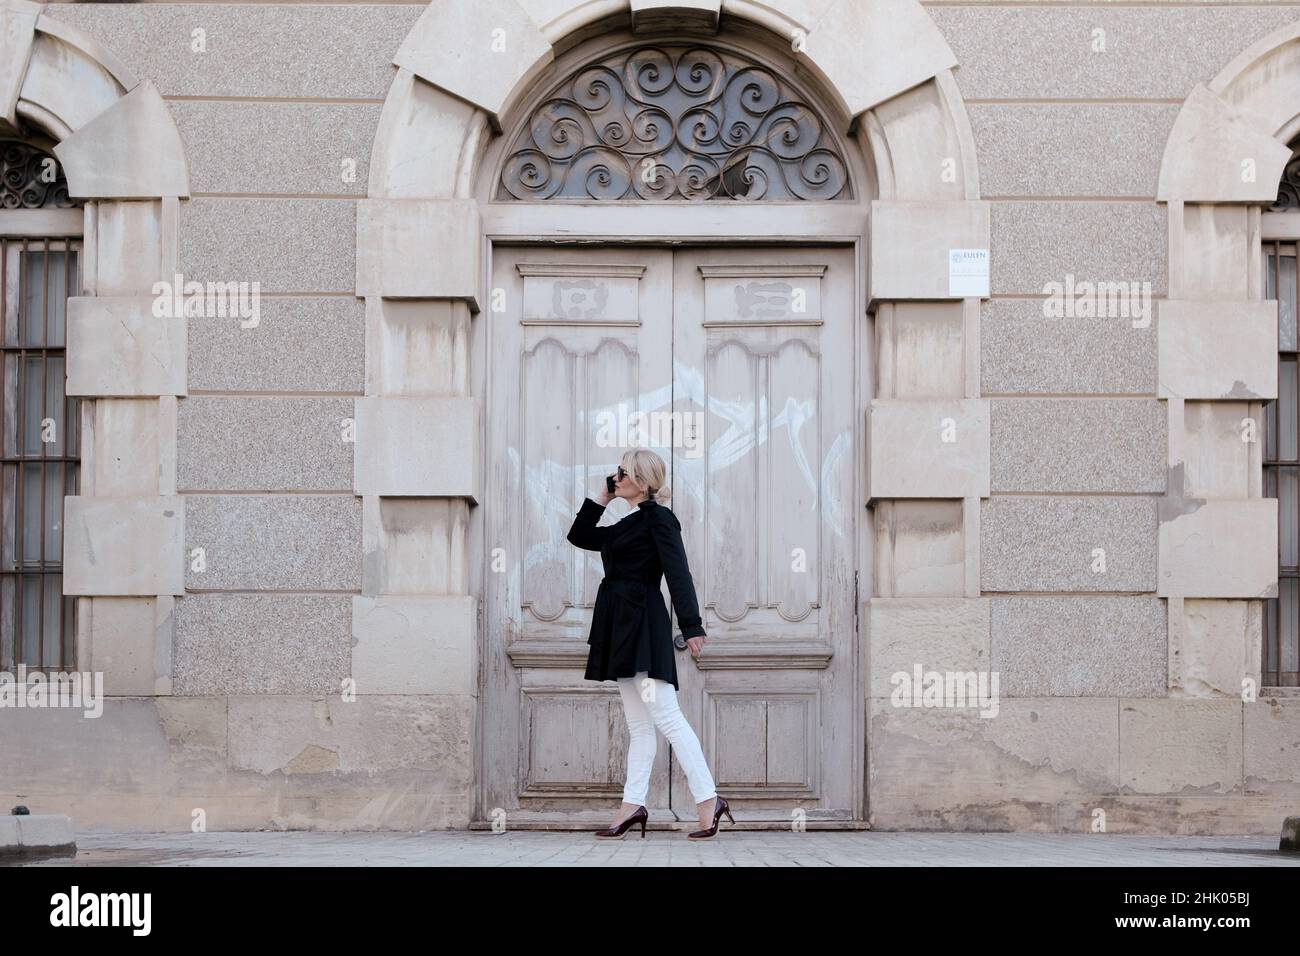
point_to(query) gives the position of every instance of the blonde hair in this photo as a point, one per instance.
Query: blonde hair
(648, 471)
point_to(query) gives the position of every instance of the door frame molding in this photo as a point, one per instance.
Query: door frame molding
(648, 223)
(517, 224)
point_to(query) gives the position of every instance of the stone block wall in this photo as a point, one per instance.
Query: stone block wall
(1122, 693)
(324, 561)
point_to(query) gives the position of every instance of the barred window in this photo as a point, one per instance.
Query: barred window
(1281, 652)
(39, 442)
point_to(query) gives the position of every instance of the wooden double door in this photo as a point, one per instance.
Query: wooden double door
(737, 366)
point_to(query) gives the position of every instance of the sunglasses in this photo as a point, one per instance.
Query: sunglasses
(621, 473)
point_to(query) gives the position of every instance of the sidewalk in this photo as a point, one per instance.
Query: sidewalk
(668, 848)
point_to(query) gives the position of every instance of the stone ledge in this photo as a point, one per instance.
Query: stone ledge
(421, 447)
(124, 546)
(1217, 350)
(1243, 563)
(910, 241)
(418, 249)
(118, 347)
(910, 457)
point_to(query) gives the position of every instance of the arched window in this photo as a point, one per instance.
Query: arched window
(674, 122)
(39, 440)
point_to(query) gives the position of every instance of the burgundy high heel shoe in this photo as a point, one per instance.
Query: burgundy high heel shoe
(719, 808)
(639, 815)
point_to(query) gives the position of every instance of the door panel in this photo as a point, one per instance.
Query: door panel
(763, 351)
(753, 351)
(583, 343)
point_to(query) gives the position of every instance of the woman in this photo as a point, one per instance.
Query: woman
(631, 641)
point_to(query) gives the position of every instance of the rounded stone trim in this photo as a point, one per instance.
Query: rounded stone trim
(91, 48)
(854, 82)
(117, 139)
(1246, 113)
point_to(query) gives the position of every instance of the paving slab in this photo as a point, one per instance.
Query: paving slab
(666, 848)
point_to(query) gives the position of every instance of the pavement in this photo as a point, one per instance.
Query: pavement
(667, 848)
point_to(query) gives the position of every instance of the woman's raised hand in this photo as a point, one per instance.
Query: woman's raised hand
(604, 496)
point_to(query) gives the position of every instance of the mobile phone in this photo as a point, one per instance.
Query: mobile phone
(609, 483)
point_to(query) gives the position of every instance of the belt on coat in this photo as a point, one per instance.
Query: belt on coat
(629, 589)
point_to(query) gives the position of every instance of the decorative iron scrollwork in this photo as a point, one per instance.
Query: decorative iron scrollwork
(1288, 189)
(674, 123)
(33, 179)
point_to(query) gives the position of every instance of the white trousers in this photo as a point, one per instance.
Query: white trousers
(648, 704)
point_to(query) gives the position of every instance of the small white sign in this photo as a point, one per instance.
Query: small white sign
(968, 272)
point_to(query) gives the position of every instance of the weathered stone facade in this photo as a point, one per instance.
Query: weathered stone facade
(267, 513)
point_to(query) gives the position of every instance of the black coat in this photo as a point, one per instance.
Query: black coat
(630, 628)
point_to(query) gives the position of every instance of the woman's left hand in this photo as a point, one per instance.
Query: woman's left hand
(696, 644)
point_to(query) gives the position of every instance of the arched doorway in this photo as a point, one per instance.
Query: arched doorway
(734, 356)
(534, 311)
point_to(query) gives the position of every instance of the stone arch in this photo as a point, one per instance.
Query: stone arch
(1217, 359)
(887, 70)
(122, 154)
(443, 106)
